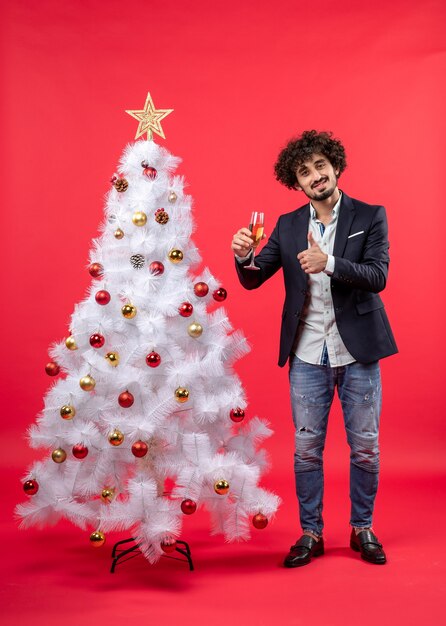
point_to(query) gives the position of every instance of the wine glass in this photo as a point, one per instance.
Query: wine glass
(256, 227)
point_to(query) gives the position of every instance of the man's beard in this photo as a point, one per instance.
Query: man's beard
(323, 195)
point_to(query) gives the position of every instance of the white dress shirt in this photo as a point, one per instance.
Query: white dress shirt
(317, 320)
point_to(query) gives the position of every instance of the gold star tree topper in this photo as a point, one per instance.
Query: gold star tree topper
(149, 119)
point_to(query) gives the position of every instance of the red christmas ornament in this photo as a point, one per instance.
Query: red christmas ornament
(237, 415)
(102, 297)
(260, 521)
(201, 289)
(31, 487)
(96, 270)
(168, 546)
(97, 340)
(126, 399)
(52, 369)
(156, 268)
(79, 451)
(220, 294)
(188, 506)
(153, 359)
(185, 309)
(139, 449)
(150, 172)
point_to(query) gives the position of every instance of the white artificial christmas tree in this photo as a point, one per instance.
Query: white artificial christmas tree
(148, 392)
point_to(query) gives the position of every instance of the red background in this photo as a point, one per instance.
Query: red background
(243, 78)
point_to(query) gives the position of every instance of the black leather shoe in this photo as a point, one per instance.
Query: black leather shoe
(303, 551)
(368, 545)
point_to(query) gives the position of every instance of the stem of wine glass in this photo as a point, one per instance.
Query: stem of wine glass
(252, 258)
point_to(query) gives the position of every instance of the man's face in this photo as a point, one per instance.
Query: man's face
(317, 177)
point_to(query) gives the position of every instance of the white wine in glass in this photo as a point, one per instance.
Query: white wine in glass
(256, 227)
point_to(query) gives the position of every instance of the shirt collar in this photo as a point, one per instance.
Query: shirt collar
(335, 210)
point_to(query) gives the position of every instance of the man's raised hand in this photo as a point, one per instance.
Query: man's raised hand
(242, 242)
(312, 260)
(312, 241)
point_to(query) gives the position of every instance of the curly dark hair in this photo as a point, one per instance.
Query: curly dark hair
(301, 149)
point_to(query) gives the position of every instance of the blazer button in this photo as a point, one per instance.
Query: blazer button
(303, 292)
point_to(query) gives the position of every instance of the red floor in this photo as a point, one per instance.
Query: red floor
(53, 576)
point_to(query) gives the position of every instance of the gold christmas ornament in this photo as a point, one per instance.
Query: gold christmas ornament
(221, 487)
(97, 539)
(128, 311)
(121, 185)
(107, 495)
(116, 437)
(119, 233)
(195, 330)
(149, 119)
(139, 218)
(175, 255)
(112, 358)
(67, 411)
(181, 394)
(172, 197)
(58, 455)
(87, 383)
(70, 343)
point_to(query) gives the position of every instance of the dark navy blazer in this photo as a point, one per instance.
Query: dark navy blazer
(361, 266)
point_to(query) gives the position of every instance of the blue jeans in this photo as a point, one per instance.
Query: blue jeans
(312, 390)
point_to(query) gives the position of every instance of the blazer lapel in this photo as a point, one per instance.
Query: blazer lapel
(299, 229)
(345, 219)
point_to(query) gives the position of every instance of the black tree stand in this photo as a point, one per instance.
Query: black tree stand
(120, 555)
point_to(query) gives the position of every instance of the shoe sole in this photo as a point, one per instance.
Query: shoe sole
(356, 548)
